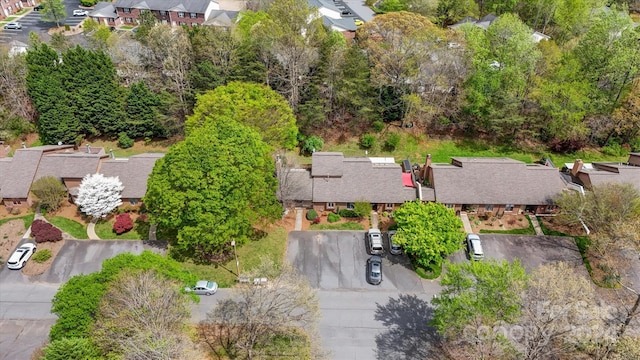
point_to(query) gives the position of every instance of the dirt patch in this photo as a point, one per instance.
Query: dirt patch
(33, 268)
(69, 211)
(10, 235)
(506, 222)
(552, 224)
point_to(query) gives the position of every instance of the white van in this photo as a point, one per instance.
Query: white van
(474, 247)
(374, 239)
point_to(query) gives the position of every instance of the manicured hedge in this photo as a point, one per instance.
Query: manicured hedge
(42, 231)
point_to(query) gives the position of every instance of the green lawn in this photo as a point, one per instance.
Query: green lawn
(249, 256)
(104, 230)
(417, 147)
(27, 219)
(340, 226)
(139, 147)
(74, 228)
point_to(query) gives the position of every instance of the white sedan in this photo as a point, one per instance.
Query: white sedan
(80, 13)
(19, 257)
(204, 287)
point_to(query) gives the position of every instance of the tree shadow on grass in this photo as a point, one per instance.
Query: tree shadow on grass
(408, 334)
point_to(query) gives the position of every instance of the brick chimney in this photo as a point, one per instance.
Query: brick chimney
(427, 163)
(577, 166)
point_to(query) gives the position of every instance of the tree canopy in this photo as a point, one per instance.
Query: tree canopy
(99, 195)
(428, 231)
(212, 188)
(254, 105)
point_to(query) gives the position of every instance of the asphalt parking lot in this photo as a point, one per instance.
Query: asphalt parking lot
(337, 260)
(532, 251)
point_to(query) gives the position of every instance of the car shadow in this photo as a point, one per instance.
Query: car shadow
(408, 334)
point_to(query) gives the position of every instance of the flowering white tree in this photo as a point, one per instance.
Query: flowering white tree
(99, 195)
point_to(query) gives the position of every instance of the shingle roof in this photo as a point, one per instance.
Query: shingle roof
(196, 6)
(68, 165)
(224, 18)
(24, 164)
(342, 23)
(133, 172)
(298, 186)
(360, 179)
(104, 9)
(618, 173)
(469, 180)
(327, 164)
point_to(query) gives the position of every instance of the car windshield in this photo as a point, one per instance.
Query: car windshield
(209, 284)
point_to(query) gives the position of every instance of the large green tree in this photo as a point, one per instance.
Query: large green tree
(254, 105)
(428, 231)
(476, 297)
(53, 11)
(141, 109)
(213, 188)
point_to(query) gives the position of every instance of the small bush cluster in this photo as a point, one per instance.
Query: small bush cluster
(42, 231)
(123, 224)
(124, 141)
(367, 141)
(333, 217)
(348, 213)
(378, 126)
(312, 215)
(42, 256)
(392, 141)
(311, 144)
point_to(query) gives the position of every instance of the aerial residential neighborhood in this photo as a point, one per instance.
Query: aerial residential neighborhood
(319, 179)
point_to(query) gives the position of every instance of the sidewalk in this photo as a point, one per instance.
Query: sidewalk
(536, 225)
(466, 223)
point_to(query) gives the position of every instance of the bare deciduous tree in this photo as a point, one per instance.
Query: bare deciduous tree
(13, 89)
(243, 326)
(144, 316)
(291, 179)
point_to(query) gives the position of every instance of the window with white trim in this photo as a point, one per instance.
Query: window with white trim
(126, 10)
(350, 206)
(331, 206)
(193, 15)
(129, 20)
(164, 13)
(488, 207)
(182, 23)
(180, 14)
(388, 206)
(194, 24)
(449, 206)
(508, 207)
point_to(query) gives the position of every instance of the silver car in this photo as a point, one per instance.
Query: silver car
(474, 247)
(394, 248)
(204, 287)
(13, 25)
(19, 257)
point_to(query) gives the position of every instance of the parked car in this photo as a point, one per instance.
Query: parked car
(19, 257)
(374, 270)
(80, 12)
(204, 287)
(474, 247)
(358, 22)
(38, 7)
(374, 240)
(13, 25)
(394, 248)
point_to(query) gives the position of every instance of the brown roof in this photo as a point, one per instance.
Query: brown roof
(327, 164)
(361, 179)
(68, 164)
(469, 180)
(133, 172)
(17, 182)
(618, 173)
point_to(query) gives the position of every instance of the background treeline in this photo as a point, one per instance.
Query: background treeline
(579, 89)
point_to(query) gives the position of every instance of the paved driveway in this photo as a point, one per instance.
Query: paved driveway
(531, 250)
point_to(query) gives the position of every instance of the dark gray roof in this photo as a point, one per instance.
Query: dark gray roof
(618, 173)
(495, 181)
(68, 165)
(133, 172)
(327, 164)
(298, 186)
(342, 23)
(104, 10)
(323, 4)
(196, 6)
(360, 179)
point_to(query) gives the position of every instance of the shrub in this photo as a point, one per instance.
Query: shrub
(311, 144)
(124, 141)
(362, 208)
(42, 256)
(316, 221)
(71, 348)
(123, 224)
(348, 213)
(50, 191)
(42, 231)
(378, 126)
(367, 141)
(333, 217)
(392, 141)
(312, 215)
